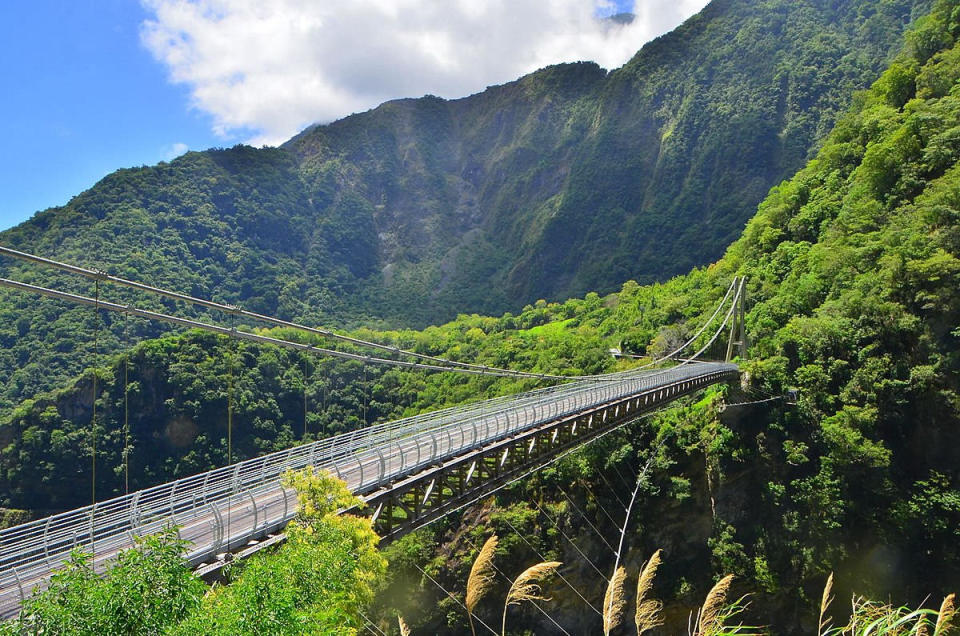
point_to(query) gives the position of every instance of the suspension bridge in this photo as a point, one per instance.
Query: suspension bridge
(409, 472)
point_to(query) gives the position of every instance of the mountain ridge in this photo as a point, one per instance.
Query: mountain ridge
(567, 180)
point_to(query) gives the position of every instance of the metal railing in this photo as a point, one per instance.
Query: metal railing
(223, 508)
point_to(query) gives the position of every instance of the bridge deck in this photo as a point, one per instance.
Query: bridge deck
(224, 509)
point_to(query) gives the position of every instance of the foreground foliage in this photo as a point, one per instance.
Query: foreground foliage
(144, 590)
(317, 582)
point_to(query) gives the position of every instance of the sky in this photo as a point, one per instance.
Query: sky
(91, 86)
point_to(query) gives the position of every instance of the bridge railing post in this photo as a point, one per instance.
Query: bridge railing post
(253, 500)
(217, 527)
(93, 527)
(403, 459)
(46, 540)
(383, 463)
(172, 502)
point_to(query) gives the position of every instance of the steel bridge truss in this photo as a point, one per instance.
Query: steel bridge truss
(415, 501)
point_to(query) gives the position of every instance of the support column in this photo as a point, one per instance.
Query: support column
(738, 331)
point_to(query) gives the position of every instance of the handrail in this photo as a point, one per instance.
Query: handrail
(367, 459)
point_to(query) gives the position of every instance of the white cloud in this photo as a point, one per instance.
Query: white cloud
(267, 69)
(174, 150)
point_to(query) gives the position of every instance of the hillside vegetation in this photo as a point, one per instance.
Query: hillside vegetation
(568, 180)
(853, 267)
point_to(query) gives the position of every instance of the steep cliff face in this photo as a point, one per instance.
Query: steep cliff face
(571, 179)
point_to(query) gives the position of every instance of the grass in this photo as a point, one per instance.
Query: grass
(481, 578)
(614, 601)
(526, 587)
(648, 610)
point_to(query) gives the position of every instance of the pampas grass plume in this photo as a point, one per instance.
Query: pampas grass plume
(945, 617)
(481, 577)
(713, 604)
(526, 587)
(825, 601)
(648, 610)
(614, 601)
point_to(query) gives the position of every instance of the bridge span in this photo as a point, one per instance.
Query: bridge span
(410, 472)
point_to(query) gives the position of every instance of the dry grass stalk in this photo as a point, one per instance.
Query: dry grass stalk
(482, 576)
(712, 606)
(614, 601)
(648, 610)
(526, 587)
(945, 617)
(404, 630)
(825, 601)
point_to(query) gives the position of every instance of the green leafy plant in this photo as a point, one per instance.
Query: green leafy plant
(317, 582)
(142, 591)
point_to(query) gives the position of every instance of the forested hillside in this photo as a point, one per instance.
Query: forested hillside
(853, 267)
(568, 180)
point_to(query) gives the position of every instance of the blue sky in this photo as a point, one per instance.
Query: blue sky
(91, 86)
(83, 98)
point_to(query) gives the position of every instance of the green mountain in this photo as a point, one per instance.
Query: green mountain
(853, 266)
(573, 180)
(568, 180)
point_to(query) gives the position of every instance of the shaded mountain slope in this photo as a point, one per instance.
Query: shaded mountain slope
(571, 180)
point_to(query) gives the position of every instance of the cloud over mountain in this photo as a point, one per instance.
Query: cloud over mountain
(266, 70)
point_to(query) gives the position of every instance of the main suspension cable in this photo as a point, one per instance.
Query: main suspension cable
(703, 327)
(240, 312)
(719, 330)
(252, 337)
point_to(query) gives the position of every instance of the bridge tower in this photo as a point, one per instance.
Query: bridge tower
(738, 330)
